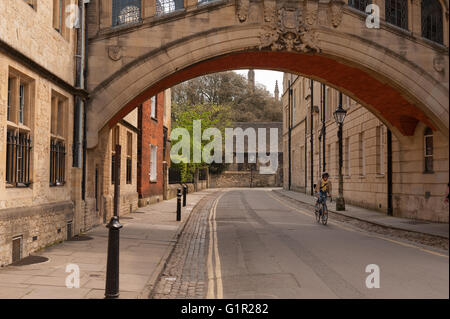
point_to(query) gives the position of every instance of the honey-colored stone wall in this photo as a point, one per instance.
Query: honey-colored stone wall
(38, 211)
(416, 194)
(99, 164)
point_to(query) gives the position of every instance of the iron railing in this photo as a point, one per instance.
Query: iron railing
(126, 11)
(397, 13)
(57, 163)
(432, 27)
(18, 153)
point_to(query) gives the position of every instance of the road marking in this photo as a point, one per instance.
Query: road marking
(353, 230)
(214, 273)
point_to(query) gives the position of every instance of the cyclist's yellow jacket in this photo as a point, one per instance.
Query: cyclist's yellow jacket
(322, 185)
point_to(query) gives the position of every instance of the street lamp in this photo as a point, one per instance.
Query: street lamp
(339, 116)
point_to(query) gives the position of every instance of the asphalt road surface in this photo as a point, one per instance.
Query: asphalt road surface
(261, 246)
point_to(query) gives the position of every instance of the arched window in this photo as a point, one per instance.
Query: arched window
(168, 6)
(359, 4)
(432, 27)
(126, 11)
(397, 13)
(428, 150)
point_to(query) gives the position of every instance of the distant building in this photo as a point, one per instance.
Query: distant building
(154, 148)
(248, 174)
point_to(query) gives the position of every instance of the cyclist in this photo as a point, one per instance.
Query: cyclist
(323, 187)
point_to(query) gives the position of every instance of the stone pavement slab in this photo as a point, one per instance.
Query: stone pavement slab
(425, 227)
(146, 240)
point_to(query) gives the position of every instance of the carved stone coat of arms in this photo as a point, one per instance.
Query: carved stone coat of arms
(289, 32)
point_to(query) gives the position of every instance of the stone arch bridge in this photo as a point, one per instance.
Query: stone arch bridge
(399, 76)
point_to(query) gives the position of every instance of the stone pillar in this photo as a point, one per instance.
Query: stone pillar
(190, 3)
(105, 14)
(380, 4)
(148, 8)
(414, 18)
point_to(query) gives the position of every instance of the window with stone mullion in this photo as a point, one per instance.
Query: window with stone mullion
(431, 17)
(396, 12)
(359, 4)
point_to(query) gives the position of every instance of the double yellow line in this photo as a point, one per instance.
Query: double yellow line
(214, 269)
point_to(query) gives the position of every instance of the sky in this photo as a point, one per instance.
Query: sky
(266, 78)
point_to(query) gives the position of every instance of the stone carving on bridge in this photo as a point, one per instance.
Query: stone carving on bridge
(114, 53)
(335, 12)
(288, 31)
(242, 9)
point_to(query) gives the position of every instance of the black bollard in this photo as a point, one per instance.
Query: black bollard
(184, 195)
(112, 266)
(112, 270)
(178, 204)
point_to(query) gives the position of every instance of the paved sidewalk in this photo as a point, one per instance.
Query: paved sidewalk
(430, 228)
(146, 240)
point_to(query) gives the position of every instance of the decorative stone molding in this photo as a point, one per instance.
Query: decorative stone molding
(335, 12)
(288, 31)
(242, 10)
(269, 10)
(311, 12)
(114, 53)
(438, 63)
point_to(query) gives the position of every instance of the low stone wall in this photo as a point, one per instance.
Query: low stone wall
(172, 191)
(38, 226)
(244, 179)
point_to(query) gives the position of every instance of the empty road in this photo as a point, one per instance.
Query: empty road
(261, 246)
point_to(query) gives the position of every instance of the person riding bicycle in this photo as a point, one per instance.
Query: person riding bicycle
(323, 187)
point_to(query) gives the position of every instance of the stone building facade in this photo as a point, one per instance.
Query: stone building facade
(419, 162)
(40, 190)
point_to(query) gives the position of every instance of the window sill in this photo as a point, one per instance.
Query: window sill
(379, 176)
(19, 185)
(58, 184)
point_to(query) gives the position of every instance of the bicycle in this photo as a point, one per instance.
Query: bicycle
(321, 210)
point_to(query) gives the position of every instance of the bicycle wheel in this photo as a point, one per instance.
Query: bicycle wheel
(317, 213)
(325, 215)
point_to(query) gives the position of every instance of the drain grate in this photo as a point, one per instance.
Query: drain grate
(30, 260)
(80, 238)
(126, 217)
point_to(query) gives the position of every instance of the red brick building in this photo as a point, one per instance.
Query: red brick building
(153, 150)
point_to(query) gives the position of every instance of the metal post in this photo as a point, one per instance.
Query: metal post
(112, 267)
(324, 129)
(340, 202)
(311, 137)
(389, 177)
(184, 195)
(178, 204)
(289, 134)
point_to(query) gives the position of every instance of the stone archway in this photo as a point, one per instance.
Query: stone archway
(396, 84)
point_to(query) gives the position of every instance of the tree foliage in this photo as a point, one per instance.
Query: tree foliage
(228, 89)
